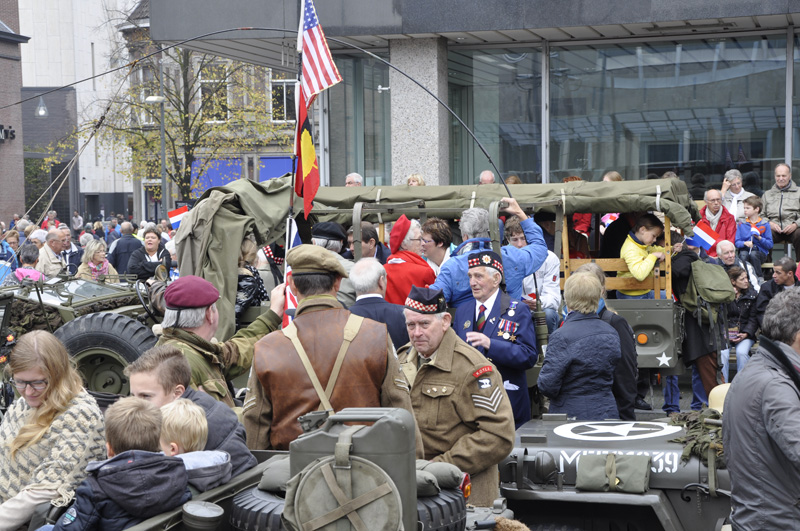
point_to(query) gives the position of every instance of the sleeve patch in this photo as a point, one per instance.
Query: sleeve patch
(492, 403)
(482, 370)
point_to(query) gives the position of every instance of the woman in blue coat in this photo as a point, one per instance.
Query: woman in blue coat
(582, 355)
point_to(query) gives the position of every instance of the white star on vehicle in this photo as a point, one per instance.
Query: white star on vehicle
(663, 359)
(623, 429)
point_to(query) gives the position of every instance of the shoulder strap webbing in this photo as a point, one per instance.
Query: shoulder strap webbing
(351, 328)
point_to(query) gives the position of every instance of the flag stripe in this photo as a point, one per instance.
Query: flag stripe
(319, 71)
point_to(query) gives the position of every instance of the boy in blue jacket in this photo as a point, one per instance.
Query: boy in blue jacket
(753, 235)
(136, 482)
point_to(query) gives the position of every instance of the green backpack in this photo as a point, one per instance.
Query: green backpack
(707, 295)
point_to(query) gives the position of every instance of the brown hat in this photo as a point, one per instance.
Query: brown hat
(190, 292)
(314, 259)
(399, 231)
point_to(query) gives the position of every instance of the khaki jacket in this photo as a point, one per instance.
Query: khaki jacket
(50, 263)
(213, 364)
(280, 390)
(782, 206)
(463, 412)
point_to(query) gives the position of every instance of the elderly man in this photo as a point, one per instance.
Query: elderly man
(437, 243)
(782, 208)
(369, 278)
(71, 253)
(190, 322)
(727, 257)
(405, 266)
(500, 328)
(733, 193)
(486, 177)
(331, 236)
(459, 401)
(120, 251)
(783, 272)
(353, 179)
(162, 375)
(762, 428)
(718, 217)
(51, 263)
(518, 263)
(325, 345)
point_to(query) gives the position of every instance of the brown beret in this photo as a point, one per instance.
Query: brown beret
(190, 292)
(314, 259)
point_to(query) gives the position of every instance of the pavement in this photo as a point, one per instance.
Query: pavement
(656, 398)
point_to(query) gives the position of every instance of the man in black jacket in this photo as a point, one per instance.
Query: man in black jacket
(782, 278)
(369, 279)
(162, 375)
(121, 249)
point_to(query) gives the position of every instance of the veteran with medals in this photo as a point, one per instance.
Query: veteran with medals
(459, 401)
(500, 328)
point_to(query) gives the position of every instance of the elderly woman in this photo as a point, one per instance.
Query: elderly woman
(49, 434)
(28, 256)
(94, 263)
(733, 193)
(582, 355)
(415, 179)
(38, 237)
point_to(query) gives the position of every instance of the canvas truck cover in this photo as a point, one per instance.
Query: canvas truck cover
(210, 235)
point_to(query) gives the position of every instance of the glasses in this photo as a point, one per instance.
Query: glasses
(713, 200)
(36, 385)
(428, 242)
(415, 239)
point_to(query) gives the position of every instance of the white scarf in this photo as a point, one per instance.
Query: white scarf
(712, 219)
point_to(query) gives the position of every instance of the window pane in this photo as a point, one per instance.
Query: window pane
(277, 102)
(497, 93)
(697, 108)
(289, 107)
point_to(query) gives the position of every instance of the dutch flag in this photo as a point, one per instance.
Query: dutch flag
(175, 216)
(704, 236)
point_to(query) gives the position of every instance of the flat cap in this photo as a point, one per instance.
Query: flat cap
(426, 300)
(486, 259)
(190, 292)
(314, 259)
(328, 230)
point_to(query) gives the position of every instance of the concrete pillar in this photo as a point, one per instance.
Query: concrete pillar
(420, 134)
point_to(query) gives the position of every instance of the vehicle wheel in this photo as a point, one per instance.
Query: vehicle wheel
(445, 512)
(257, 510)
(102, 345)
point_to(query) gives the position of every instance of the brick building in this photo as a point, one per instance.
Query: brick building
(11, 162)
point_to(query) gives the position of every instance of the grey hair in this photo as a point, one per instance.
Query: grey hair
(705, 194)
(365, 275)
(189, 317)
(474, 223)
(22, 225)
(406, 243)
(439, 316)
(719, 245)
(331, 245)
(85, 239)
(28, 254)
(53, 234)
(356, 177)
(733, 174)
(780, 319)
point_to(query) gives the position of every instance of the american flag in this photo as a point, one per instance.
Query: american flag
(292, 240)
(319, 71)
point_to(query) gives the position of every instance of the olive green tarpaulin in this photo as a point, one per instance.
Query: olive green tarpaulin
(210, 235)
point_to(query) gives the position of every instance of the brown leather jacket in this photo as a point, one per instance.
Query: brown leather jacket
(280, 390)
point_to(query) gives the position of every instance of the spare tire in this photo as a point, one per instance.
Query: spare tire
(102, 345)
(258, 510)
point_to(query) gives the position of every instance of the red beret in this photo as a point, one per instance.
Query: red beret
(190, 292)
(399, 231)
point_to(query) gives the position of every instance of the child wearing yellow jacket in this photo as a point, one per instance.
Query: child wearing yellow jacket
(641, 255)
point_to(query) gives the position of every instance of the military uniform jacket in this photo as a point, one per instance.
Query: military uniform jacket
(213, 364)
(280, 389)
(509, 327)
(463, 412)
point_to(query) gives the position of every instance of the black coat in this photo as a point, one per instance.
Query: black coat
(377, 309)
(139, 265)
(742, 313)
(627, 370)
(123, 249)
(768, 290)
(697, 341)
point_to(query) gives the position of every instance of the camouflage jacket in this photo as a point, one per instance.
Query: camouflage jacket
(214, 363)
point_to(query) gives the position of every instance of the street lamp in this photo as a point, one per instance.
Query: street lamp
(160, 100)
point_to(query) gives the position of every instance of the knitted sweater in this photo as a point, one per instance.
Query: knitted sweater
(58, 460)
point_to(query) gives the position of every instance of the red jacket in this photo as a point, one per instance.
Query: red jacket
(404, 269)
(726, 228)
